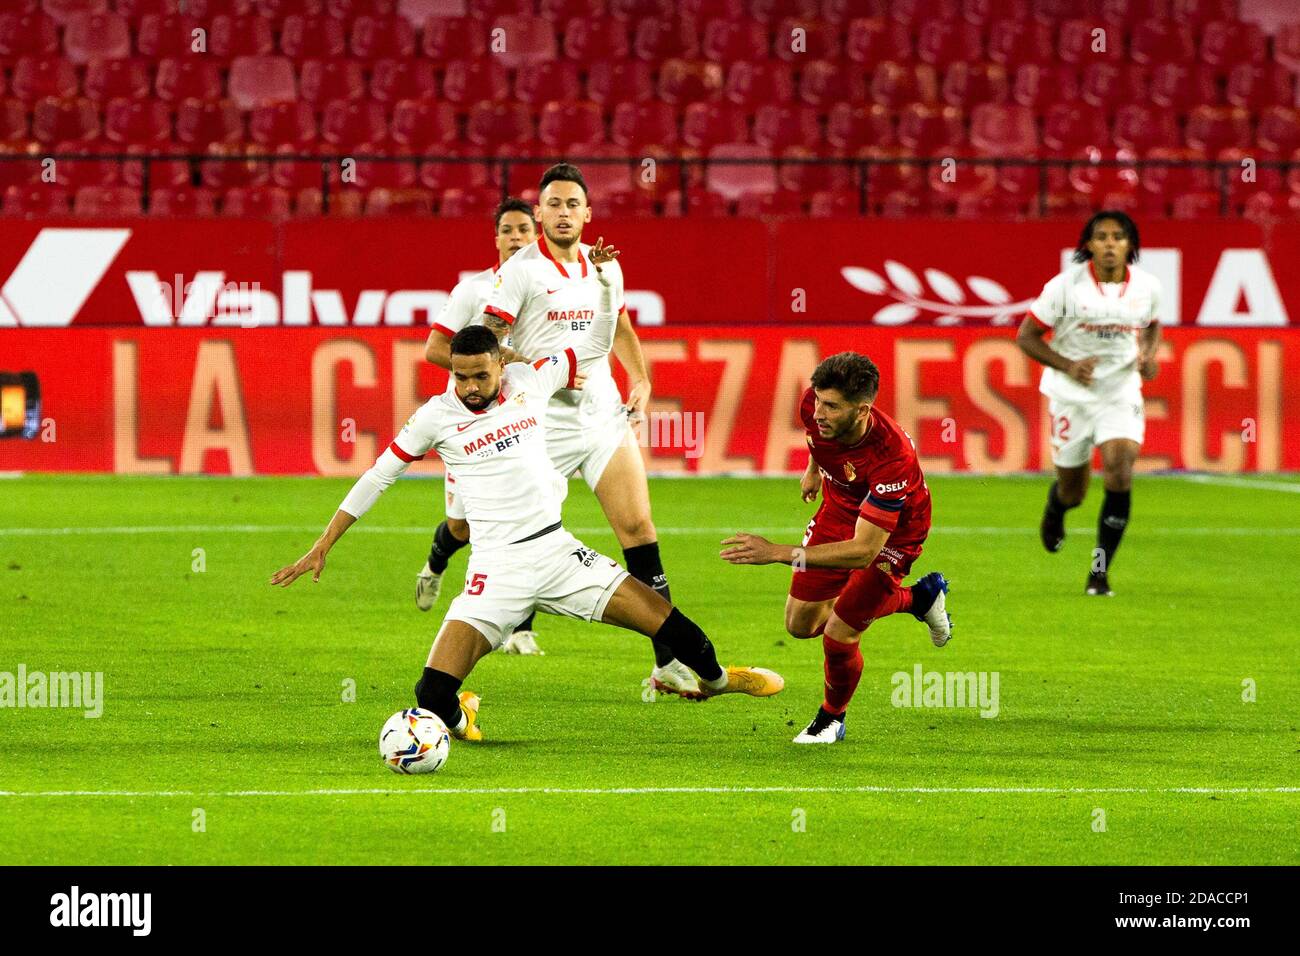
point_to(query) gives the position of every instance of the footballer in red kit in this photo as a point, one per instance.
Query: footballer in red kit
(860, 545)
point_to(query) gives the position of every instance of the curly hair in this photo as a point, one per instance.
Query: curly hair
(854, 376)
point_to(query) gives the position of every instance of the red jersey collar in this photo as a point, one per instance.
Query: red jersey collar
(546, 251)
(1123, 286)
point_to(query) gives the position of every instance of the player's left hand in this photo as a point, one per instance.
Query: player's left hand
(1148, 367)
(638, 397)
(601, 253)
(749, 548)
(313, 560)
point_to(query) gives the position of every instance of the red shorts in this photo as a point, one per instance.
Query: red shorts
(861, 592)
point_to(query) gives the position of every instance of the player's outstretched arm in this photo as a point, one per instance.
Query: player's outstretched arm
(314, 560)
(858, 552)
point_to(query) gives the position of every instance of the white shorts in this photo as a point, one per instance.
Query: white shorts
(555, 573)
(587, 450)
(1078, 427)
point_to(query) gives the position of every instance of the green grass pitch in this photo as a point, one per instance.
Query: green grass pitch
(1122, 735)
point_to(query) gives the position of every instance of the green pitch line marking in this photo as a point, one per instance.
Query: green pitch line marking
(620, 791)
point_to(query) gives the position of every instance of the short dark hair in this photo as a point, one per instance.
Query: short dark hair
(1081, 253)
(854, 376)
(512, 204)
(564, 173)
(475, 340)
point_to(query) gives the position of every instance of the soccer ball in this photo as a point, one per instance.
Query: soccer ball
(414, 741)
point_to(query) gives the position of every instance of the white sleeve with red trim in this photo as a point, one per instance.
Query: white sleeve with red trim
(411, 444)
(1049, 307)
(458, 311)
(509, 291)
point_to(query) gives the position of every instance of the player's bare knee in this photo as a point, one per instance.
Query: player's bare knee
(636, 529)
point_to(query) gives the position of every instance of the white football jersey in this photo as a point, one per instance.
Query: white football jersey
(1103, 319)
(466, 303)
(551, 306)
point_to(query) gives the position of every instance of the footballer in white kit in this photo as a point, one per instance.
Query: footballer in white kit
(544, 300)
(1101, 313)
(491, 426)
(513, 228)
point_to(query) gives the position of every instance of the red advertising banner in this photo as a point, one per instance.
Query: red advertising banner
(325, 401)
(333, 273)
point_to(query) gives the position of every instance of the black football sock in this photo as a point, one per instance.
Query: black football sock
(527, 625)
(643, 564)
(1111, 524)
(445, 544)
(436, 691)
(1055, 506)
(686, 642)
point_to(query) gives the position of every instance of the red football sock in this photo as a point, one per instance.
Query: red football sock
(843, 671)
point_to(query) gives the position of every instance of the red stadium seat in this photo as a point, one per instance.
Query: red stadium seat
(941, 42)
(1109, 85)
(76, 173)
(983, 12)
(818, 41)
(418, 11)
(343, 203)
(166, 35)
(1140, 128)
(846, 11)
(890, 175)
(1084, 41)
(14, 127)
(351, 123)
(1200, 12)
(563, 123)
(587, 39)
(1213, 128)
(499, 125)
(1097, 177)
(255, 202)
(1227, 43)
(139, 121)
(106, 79)
(374, 174)
(21, 163)
(833, 203)
(37, 201)
(1003, 130)
(376, 38)
(705, 125)
(554, 80)
(213, 8)
(639, 126)
(174, 173)
(770, 11)
(1169, 181)
(640, 9)
(96, 36)
(471, 81)
(439, 176)
(1267, 179)
(394, 80)
(64, 11)
(1194, 206)
(183, 203)
(278, 123)
(1014, 43)
(463, 203)
(1162, 41)
(967, 84)
(186, 78)
(894, 84)
(353, 9)
(726, 41)
(786, 125)
(850, 127)
(1279, 130)
(1256, 87)
(628, 205)
(924, 128)
(1038, 87)
(913, 13)
(135, 9)
(399, 202)
(870, 40)
(318, 38)
(114, 201)
(1286, 47)
(801, 171)
(750, 85)
(902, 204)
(657, 40)
(27, 34)
(823, 82)
(231, 37)
(617, 81)
(562, 11)
(700, 204)
(320, 81)
(199, 122)
(35, 79)
(605, 180)
(55, 120)
(423, 125)
(262, 81)
(1182, 86)
(685, 81)
(228, 166)
(1264, 207)
(1072, 127)
(756, 205)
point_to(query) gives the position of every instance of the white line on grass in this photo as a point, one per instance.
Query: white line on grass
(784, 529)
(621, 791)
(1289, 486)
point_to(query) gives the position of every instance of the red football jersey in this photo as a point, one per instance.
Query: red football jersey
(879, 478)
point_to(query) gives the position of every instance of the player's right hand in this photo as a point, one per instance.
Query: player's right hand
(1081, 371)
(810, 484)
(313, 560)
